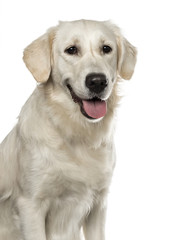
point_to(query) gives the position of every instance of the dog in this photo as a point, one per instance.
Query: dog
(56, 164)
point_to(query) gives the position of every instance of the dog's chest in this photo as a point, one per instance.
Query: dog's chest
(69, 169)
(81, 180)
(71, 181)
(78, 168)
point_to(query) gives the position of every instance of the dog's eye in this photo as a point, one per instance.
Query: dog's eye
(72, 50)
(106, 49)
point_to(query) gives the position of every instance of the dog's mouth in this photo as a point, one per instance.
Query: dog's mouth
(94, 108)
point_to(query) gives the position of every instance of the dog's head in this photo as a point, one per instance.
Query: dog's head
(84, 58)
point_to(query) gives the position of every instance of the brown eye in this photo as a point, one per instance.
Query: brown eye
(72, 50)
(106, 49)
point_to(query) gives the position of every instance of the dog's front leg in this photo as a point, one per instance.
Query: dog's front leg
(32, 218)
(94, 226)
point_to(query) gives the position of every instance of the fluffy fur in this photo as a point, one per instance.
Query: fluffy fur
(56, 165)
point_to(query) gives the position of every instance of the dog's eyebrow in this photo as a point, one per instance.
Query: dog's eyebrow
(74, 41)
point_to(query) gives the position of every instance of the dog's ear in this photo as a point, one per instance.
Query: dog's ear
(127, 56)
(38, 58)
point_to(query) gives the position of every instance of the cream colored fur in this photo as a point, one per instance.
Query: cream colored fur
(56, 165)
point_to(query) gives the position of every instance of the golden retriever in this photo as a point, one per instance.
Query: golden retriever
(56, 164)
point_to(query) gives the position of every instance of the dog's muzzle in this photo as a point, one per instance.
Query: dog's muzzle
(94, 107)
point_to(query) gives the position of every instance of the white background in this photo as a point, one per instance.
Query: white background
(140, 199)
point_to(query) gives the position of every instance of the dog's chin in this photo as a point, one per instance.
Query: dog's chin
(93, 109)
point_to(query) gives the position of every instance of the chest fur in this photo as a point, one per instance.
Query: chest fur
(70, 179)
(53, 172)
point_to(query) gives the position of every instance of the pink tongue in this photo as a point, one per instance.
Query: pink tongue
(95, 109)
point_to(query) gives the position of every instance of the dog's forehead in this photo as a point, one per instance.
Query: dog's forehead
(84, 29)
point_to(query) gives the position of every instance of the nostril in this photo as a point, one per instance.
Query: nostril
(96, 82)
(103, 83)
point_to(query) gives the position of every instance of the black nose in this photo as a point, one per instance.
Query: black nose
(96, 82)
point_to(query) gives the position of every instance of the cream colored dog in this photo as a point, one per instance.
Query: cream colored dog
(56, 164)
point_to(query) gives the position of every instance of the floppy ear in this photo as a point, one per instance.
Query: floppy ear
(37, 56)
(127, 56)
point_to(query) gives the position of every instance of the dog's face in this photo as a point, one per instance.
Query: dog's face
(85, 59)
